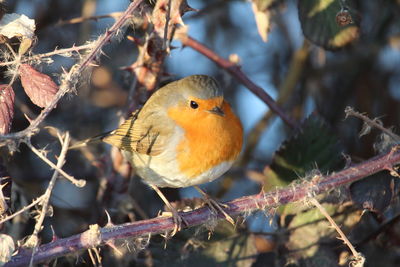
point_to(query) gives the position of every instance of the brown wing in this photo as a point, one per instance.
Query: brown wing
(142, 134)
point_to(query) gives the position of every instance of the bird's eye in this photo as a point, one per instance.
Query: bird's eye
(193, 104)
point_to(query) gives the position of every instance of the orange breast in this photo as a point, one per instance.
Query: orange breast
(209, 139)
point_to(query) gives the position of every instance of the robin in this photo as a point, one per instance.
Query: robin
(186, 134)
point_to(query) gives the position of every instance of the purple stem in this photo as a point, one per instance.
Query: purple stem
(291, 193)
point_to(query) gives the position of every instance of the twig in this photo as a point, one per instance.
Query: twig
(130, 102)
(69, 80)
(234, 70)
(167, 19)
(285, 91)
(49, 54)
(372, 123)
(109, 34)
(35, 202)
(357, 256)
(47, 195)
(78, 183)
(201, 216)
(114, 15)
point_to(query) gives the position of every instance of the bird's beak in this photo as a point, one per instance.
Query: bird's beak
(217, 111)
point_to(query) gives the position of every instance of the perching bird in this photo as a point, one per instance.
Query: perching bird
(186, 134)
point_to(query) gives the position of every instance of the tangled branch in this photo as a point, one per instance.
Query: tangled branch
(201, 216)
(68, 82)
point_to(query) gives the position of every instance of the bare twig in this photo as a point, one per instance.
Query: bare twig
(372, 123)
(200, 216)
(167, 19)
(47, 194)
(78, 183)
(285, 91)
(114, 15)
(357, 256)
(109, 34)
(49, 54)
(69, 80)
(35, 202)
(234, 70)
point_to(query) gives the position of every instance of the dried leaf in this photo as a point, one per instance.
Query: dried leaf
(262, 18)
(6, 107)
(38, 86)
(7, 248)
(24, 46)
(17, 25)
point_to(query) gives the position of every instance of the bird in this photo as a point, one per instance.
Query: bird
(186, 134)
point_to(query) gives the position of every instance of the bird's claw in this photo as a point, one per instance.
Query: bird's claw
(215, 206)
(179, 221)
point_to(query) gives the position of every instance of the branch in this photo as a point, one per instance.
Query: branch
(33, 240)
(78, 183)
(292, 193)
(63, 51)
(371, 123)
(286, 89)
(114, 15)
(359, 259)
(34, 202)
(234, 70)
(69, 80)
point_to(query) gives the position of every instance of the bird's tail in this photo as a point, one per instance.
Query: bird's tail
(83, 143)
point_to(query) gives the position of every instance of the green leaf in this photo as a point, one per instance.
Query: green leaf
(312, 147)
(331, 24)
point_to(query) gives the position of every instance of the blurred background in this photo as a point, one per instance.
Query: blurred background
(304, 65)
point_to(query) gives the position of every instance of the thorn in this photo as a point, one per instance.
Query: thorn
(167, 75)
(111, 245)
(129, 68)
(109, 222)
(29, 119)
(178, 20)
(54, 236)
(188, 8)
(3, 185)
(135, 40)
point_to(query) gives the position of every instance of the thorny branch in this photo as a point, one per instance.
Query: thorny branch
(68, 82)
(371, 123)
(78, 183)
(200, 216)
(114, 15)
(63, 51)
(25, 208)
(358, 257)
(33, 239)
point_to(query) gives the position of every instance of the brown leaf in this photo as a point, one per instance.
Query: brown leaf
(38, 86)
(262, 18)
(6, 107)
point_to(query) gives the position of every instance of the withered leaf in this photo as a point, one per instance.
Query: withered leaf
(6, 107)
(38, 86)
(263, 22)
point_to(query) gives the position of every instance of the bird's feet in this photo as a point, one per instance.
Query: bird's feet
(178, 219)
(215, 206)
